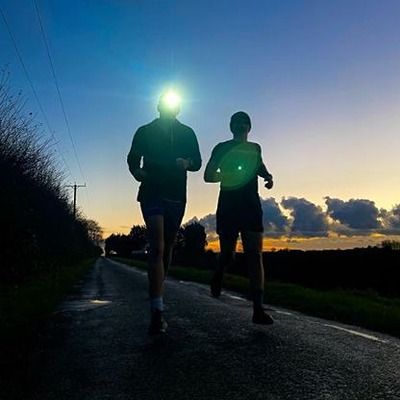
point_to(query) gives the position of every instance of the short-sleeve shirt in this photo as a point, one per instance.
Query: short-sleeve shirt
(239, 204)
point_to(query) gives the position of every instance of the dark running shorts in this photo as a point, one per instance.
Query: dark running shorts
(171, 210)
(231, 220)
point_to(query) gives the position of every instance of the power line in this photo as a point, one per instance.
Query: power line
(19, 56)
(75, 186)
(57, 87)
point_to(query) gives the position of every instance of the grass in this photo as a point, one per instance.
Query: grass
(25, 305)
(364, 309)
(23, 310)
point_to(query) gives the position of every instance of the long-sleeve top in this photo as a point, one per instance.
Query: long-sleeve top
(155, 150)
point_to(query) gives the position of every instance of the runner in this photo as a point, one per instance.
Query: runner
(236, 164)
(167, 150)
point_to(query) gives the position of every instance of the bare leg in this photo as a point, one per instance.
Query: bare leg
(169, 242)
(155, 229)
(252, 246)
(227, 251)
(226, 257)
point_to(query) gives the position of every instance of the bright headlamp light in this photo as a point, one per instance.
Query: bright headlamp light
(171, 100)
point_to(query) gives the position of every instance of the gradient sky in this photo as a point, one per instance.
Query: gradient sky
(320, 80)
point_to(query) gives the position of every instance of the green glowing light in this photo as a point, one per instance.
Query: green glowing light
(239, 165)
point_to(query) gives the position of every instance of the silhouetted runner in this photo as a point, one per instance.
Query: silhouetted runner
(168, 149)
(236, 164)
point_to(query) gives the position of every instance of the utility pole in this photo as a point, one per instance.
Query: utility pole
(75, 186)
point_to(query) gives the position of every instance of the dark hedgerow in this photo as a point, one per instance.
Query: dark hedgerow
(39, 231)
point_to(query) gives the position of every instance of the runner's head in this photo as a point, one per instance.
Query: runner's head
(240, 124)
(169, 105)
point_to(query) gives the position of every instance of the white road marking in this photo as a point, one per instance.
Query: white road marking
(234, 297)
(353, 332)
(371, 337)
(81, 305)
(100, 302)
(283, 312)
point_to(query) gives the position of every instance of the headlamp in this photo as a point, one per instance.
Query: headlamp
(171, 100)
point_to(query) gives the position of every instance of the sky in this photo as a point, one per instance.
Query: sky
(319, 79)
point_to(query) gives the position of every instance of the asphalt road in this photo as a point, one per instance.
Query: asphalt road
(97, 348)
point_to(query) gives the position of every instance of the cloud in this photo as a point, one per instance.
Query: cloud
(360, 215)
(394, 217)
(355, 217)
(275, 223)
(308, 219)
(391, 220)
(210, 225)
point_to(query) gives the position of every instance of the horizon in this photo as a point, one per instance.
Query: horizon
(320, 82)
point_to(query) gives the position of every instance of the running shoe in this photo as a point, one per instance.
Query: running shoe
(216, 284)
(261, 317)
(157, 324)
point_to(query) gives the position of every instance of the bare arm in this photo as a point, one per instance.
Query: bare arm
(264, 173)
(212, 173)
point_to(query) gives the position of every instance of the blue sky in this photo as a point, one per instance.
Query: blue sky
(319, 79)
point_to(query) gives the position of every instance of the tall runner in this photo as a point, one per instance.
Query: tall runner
(161, 154)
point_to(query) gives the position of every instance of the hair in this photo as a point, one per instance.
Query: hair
(239, 116)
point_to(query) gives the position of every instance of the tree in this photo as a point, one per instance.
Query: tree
(39, 230)
(138, 236)
(194, 238)
(95, 232)
(118, 243)
(391, 245)
(123, 245)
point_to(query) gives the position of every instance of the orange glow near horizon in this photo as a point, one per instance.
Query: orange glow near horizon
(316, 243)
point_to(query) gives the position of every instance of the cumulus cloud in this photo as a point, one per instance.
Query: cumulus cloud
(275, 222)
(391, 220)
(360, 215)
(394, 218)
(308, 219)
(354, 217)
(210, 224)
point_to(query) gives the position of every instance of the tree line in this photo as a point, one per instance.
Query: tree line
(189, 249)
(372, 268)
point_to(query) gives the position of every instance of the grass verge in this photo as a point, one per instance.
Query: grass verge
(23, 306)
(23, 310)
(364, 309)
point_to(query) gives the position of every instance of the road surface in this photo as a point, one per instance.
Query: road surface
(97, 348)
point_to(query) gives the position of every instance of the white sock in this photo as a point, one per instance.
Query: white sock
(156, 303)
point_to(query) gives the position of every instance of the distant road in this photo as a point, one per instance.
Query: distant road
(97, 348)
